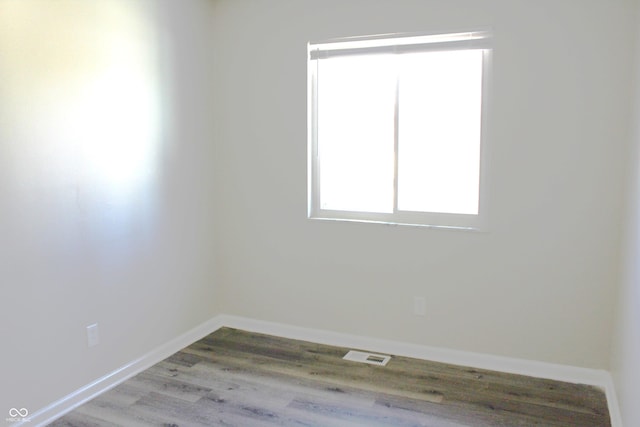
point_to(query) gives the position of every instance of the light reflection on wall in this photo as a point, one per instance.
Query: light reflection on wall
(80, 103)
(117, 126)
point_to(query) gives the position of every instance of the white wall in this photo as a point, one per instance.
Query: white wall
(540, 285)
(625, 364)
(123, 202)
(625, 359)
(105, 187)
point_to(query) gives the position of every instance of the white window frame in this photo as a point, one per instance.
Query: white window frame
(478, 39)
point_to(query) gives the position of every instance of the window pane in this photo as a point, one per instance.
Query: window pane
(439, 131)
(356, 98)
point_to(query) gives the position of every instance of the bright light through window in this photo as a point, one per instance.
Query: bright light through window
(396, 129)
(355, 139)
(440, 103)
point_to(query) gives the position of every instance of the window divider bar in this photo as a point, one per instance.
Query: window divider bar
(396, 142)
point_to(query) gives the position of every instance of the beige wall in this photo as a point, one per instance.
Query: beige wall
(153, 174)
(625, 359)
(625, 364)
(105, 187)
(541, 284)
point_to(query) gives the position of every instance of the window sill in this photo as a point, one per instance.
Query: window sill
(402, 224)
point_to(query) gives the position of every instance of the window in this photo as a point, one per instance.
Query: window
(395, 129)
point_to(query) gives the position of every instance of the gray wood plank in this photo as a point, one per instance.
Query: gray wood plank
(238, 378)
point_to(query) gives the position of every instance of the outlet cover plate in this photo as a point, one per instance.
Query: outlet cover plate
(93, 335)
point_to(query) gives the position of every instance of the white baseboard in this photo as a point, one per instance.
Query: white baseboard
(612, 401)
(70, 402)
(598, 378)
(572, 374)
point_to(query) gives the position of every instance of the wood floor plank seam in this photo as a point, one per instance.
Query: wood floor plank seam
(238, 378)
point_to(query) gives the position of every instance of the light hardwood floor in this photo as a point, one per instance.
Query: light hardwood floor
(237, 378)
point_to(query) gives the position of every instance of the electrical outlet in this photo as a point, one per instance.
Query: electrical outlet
(93, 335)
(419, 306)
